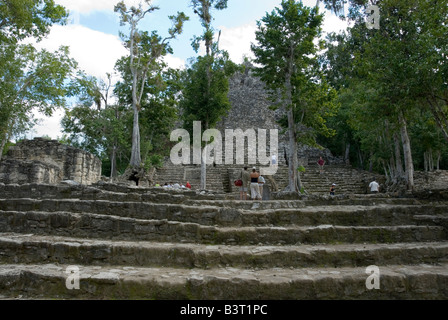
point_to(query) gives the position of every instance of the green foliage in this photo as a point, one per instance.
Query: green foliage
(203, 101)
(203, 9)
(20, 19)
(398, 69)
(205, 82)
(286, 49)
(31, 80)
(158, 112)
(285, 43)
(143, 63)
(155, 160)
(6, 148)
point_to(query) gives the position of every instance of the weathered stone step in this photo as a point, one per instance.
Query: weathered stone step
(206, 215)
(259, 214)
(348, 216)
(119, 228)
(118, 282)
(28, 248)
(103, 192)
(310, 201)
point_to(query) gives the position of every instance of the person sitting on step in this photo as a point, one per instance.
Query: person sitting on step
(332, 189)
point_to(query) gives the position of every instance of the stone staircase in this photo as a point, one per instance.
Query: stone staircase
(220, 178)
(152, 243)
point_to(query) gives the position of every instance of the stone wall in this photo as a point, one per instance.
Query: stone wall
(251, 110)
(48, 161)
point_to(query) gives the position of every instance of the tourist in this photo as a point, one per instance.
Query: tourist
(245, 178)
(157, 184)
(254, 188)
(261, 182)
(332, 189)
(374, 186)
(176, 186)
(188, 185)
(321, 163)
(134, 176)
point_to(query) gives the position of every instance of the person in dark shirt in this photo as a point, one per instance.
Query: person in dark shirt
(332, 189)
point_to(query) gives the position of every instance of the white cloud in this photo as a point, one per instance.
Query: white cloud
(48, 126)
(174, 62)
(237, 41)
(332, 23)
(88, 6)
(96, 52)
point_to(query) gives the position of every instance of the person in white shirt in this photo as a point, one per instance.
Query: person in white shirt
(261, 183)
(374, 186)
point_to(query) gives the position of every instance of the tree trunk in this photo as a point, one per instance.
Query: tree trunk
(386, 174)
(398, 163)
(135, 152)
(113, 163)
(371, 162)
(136, 159)
(208, 48)
(393, 170)
(292, 175)
(440, 117)
(5, 138)
(409, 166)
(347, 154)
(204, 168)
(2, 147)
(294, 181)
(361, 161)
(430, 160)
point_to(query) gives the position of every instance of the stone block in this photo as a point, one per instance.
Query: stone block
(49, 162)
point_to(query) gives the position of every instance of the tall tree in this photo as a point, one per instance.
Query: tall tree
(286, 51)
(402, 65)
(31, 80)
(35, 81)
(214, 101)
(158, 111)
(95, 125)
(145, 51)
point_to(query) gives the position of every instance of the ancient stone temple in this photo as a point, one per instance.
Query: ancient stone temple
(48, 161)
(250, 109)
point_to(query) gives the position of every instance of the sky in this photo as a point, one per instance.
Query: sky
(92, 33)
